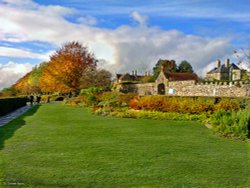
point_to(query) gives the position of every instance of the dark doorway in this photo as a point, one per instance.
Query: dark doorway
(161, 89)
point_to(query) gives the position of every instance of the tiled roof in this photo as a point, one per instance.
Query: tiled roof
(212, 71)
(223, 69)
(235, 67)
(118, 76)
(181, 76)
(128, 77)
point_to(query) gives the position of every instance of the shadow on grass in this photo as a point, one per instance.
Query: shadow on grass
(8, 130)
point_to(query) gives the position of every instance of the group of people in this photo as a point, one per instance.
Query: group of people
(33, 100)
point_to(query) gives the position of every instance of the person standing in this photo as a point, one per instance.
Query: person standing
(38, 99)
(31, 99)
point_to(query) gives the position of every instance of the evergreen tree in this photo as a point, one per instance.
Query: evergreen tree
(185, 66)
(168, 66)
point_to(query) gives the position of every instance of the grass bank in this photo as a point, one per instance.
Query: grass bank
(58, 146)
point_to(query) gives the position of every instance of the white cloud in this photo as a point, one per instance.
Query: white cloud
(14, 52)
(142, 20)
(87, 20)
(122, 49)
(11, 72)
(140, 48)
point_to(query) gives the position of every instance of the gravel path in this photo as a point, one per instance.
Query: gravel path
(10, 116)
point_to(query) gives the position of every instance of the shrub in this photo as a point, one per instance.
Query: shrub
(227, 104)
(10, 104)
(142, 114)
(116, 99)
(76, 101)
(102, 111)
(133, 103)
(192, 105)
(244, 102)
(232, 123)
(91, 95)
(124, 98)
(108, 99)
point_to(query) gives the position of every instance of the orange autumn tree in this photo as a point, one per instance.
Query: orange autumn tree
(29, 83)
(66, 67)
(22, 85)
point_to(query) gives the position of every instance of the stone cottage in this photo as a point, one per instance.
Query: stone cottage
(225, 72)
(165, 80)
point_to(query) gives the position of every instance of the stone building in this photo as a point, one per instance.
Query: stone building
(182, 84)
(164, 78)
(121, 78)
(225, 72)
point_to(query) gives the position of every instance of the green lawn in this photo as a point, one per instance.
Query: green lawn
(58, 146)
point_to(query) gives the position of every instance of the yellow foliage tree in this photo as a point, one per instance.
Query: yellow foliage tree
(66, 67)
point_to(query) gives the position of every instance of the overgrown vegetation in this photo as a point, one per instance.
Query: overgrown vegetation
(232, 123)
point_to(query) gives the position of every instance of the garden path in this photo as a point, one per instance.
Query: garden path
(12, 115)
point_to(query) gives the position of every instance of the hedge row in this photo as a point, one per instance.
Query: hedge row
(10, 104)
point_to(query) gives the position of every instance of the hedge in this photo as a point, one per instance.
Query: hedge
(10, 104)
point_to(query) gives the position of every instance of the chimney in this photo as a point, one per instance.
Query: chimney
(227, 62)
(135, 72)
(162, 68)
(218, 63)
(146, 73)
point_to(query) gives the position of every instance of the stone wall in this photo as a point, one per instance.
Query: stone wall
(187, 88)
(140, 89)
(146, 89)
(190, 88)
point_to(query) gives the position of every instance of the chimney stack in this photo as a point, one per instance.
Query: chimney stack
(218, 63)
(227, 62)
(135, 72)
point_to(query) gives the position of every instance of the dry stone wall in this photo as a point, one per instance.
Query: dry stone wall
(190, 88)
(187, 88)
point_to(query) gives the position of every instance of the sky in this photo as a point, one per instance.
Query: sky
(124, 35)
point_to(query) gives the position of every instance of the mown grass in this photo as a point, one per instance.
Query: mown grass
(58, 146)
